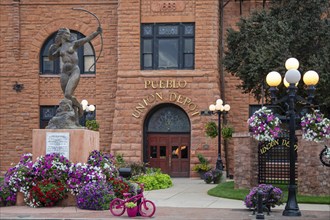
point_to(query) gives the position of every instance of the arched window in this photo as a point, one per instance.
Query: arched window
(86, 57)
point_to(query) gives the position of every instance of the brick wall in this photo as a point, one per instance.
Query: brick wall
(313, 176)
(25, 25)
(246, 161)
(118, 85)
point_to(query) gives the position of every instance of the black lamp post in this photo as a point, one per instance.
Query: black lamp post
(219, 109)
(291, 80)
(87, 109)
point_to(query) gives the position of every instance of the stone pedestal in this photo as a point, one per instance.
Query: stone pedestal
(81, 142)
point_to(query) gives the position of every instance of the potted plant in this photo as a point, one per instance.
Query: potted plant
(131, 208)
(216, 174)
(271, 196)
(213, 176)
(203, 166)
(208, 177)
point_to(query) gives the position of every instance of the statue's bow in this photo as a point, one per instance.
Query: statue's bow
(82, 9)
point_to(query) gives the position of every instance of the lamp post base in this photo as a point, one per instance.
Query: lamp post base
(291, 208)
(219, 164)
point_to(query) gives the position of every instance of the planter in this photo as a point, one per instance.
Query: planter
(132, 212)
(201, 174)
(20, 199)
(217, 180)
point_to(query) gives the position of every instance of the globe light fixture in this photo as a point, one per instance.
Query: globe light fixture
(311, 78)
(273, 79)
(87, 109)
(292, 63)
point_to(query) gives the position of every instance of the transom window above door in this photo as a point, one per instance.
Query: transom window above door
(86, 56)
(167, 46)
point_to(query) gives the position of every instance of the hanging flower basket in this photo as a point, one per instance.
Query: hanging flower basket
(315, 127)
(211, 129)
(264, 125)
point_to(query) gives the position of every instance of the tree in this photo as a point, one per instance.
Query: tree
(266, 39)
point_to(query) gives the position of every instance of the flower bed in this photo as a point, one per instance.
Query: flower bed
(49, 180)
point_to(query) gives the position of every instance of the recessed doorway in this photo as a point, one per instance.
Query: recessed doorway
(167, 140)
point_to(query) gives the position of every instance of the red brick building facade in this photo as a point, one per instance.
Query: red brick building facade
(130, 98)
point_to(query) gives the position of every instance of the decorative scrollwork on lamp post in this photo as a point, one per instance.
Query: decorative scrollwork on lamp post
(292, 77)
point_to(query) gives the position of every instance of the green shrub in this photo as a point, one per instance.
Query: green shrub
(202, 159)
(92, 125)
(203, 165)
(227, 132)
(155, 180)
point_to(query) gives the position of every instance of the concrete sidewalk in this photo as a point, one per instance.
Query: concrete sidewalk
(187, 199)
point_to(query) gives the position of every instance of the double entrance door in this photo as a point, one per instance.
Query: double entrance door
(170, 153)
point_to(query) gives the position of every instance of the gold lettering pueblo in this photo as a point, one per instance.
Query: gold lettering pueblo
(165, 84)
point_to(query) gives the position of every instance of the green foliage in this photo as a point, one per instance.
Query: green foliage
(202, 159)
(203, 165)
(227, 190)
(227, 132)
(155, 180)
(211, 129)
(266, 39)
(137, 168)
(130, 204)
(92, 125)
(119, 160)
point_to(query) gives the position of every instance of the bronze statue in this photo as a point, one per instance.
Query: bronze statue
(65, 47)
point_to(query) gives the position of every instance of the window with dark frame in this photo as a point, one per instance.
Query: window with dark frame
(167, 46)
(46, 113)
(86, 57)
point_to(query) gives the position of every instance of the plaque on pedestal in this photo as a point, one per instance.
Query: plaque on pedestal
(75, 144)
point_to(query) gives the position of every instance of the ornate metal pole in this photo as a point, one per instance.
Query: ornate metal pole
(291, 208)
(219, 164)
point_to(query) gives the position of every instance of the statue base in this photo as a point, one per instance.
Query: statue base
(75, 144)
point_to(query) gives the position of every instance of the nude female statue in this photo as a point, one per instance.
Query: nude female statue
(66, 47)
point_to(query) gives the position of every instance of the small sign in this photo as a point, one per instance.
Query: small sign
(58, 142)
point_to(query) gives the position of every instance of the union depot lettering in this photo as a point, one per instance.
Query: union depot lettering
(171, 97)
(275, 143)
